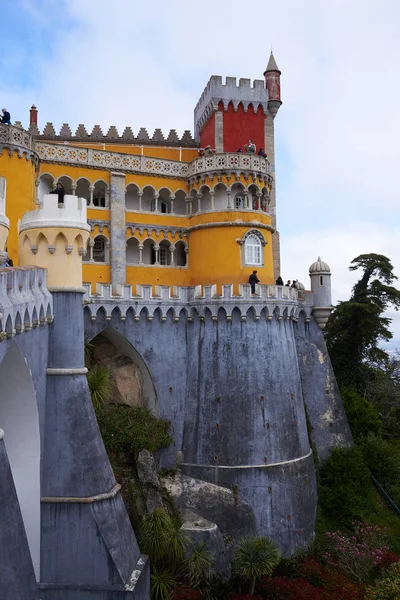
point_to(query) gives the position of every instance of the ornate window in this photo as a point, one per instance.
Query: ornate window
(252, 247)
(239, 202)
(253, 250)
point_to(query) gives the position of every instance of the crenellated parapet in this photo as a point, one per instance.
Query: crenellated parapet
(55, 237)
(270, 302)
(215, 92)
(25, 301)
(113, 136)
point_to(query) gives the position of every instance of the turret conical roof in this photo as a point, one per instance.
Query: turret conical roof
(272, 66)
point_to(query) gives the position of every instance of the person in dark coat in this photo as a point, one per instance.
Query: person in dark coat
(262, 153)
(294, 283)
(253, 279)
(279, 281)
(288, 284)
(60, 191)
(6, 118)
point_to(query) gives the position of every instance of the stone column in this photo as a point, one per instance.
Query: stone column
(172, 198)
(157, 254)
(73, 188)
(91, 190)
(118, 228)
(198, 202)
(219, 131)
(155, 202)
(187, 256)
(172, 251)
(140, 195)
(212, 196)
(37, 183)
(140, 254)
(91, 246)
(229, 205)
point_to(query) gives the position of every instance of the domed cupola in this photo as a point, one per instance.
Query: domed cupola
(319, 267)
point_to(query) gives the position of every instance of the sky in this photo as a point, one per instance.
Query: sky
(138, 64)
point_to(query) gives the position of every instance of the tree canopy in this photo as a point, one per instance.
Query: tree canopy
(356, 326)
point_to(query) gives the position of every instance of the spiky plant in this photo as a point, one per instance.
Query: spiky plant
(198, 565)
(161, 538)
(101, 385)
(255, 557)
(89, 349)
(162, 583)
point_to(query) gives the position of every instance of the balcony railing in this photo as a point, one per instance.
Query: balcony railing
(15, 136)
(229, 161)
(104, 159)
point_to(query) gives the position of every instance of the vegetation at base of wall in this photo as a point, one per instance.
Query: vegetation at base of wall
(127, 430)
(254, 558)
(362, 415)
(344, 480)
(100, 384)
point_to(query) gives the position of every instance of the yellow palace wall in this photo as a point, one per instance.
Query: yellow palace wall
(20, 196)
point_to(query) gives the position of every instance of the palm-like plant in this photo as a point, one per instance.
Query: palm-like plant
(161, 537)
(101, 385)
(161, 584)
(254, 558)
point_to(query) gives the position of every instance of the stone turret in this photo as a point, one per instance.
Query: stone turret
(55, 237)
(273, 84)
(4, 222)
(320, 275)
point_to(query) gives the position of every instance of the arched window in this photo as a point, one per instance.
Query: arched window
(253, 250)
(239, 201)
(99, 249)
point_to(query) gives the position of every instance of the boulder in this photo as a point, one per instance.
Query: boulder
(200, 531)
(147, 473)
(234, 517)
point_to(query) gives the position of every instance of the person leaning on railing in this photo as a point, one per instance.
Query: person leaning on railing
(6, 118)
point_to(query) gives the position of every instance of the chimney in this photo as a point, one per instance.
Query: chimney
(33, 117)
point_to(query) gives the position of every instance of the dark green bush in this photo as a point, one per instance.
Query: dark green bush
(362, 415)
(391, 424)
(383, 460)
(344, 481)
(126, 431)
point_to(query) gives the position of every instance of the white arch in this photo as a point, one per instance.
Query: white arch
(20, 421)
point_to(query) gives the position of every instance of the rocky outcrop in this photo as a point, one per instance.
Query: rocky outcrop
(233, 516)
(147, 473)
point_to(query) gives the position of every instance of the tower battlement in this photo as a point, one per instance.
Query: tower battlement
(216, 91)
(71, 213)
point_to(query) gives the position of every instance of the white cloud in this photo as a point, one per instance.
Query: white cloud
(338, 247)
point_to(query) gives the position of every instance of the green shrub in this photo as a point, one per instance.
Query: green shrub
(362, 415)
(161, 537)
(387, 588)
(344, 481)
(383, 460)
(126, 431)
(391, 423)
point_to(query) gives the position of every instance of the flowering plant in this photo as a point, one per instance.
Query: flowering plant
(357, 554)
